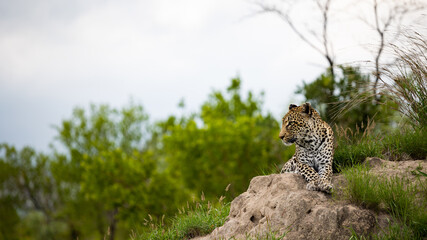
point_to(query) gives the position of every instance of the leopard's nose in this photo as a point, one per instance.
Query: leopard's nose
(281, 136)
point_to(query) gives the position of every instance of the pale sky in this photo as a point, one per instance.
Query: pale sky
(56, 55)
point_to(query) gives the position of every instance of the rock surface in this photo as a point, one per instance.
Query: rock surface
(279, 203)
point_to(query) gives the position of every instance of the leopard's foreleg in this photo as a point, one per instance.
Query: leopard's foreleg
(325, 174)
(289, 166)
(310, 175)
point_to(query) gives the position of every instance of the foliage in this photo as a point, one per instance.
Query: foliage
(105, 180)
(397, 195)
(107, 166)
(9, 217)
(393, 232)
(412, 143)
(29, 191)
(192, 221)
(198, 219)
(354, 147)
(407, 87)
(329, 97)
(361, 188)
(229, 141)
(110, 169)
(403, 85)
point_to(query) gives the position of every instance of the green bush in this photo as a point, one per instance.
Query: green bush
(331, 96)
(229, 141)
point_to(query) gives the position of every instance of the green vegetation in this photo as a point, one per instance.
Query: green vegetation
(103, 182)
(362, 187)
(191, 221)
(403, 85)
(408, 85)
(111, 169)
(353, 148)
(393, 232)
(329, 96)
(229, 141)
(402, 199)
(411, 143)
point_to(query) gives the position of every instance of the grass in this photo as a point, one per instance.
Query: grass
(201, 220)
(412, 143)
(351, 154)
(403, 200)
(353, 148)
(393, 232)
(362, 187)
(191, 221)
(403, 83)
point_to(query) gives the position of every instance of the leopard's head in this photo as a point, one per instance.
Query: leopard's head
(296, 123)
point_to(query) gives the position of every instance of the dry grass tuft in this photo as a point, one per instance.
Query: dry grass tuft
(403, 83)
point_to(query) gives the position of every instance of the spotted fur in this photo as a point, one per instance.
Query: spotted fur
(314, 149)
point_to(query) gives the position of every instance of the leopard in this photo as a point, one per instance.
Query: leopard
(314, 146)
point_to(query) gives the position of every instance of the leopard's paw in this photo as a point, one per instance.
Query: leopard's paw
(325, 187)
(311, 186)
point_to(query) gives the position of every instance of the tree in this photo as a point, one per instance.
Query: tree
(107, 170)
(9, 197)
(387, 21)
(229, 141)
(28, 187)
(330, 96)
(318, 40)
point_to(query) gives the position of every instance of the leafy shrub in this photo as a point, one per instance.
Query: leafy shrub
(229, 141)
(330, 97)
(402, 84)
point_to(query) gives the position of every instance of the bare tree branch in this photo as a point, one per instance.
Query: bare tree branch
(285, 17)
(323, 39)
(395, 16)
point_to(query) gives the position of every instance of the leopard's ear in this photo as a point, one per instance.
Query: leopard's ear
(292, 106)
(308, 109)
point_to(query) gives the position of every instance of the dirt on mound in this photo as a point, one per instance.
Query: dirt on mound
(279, 204)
